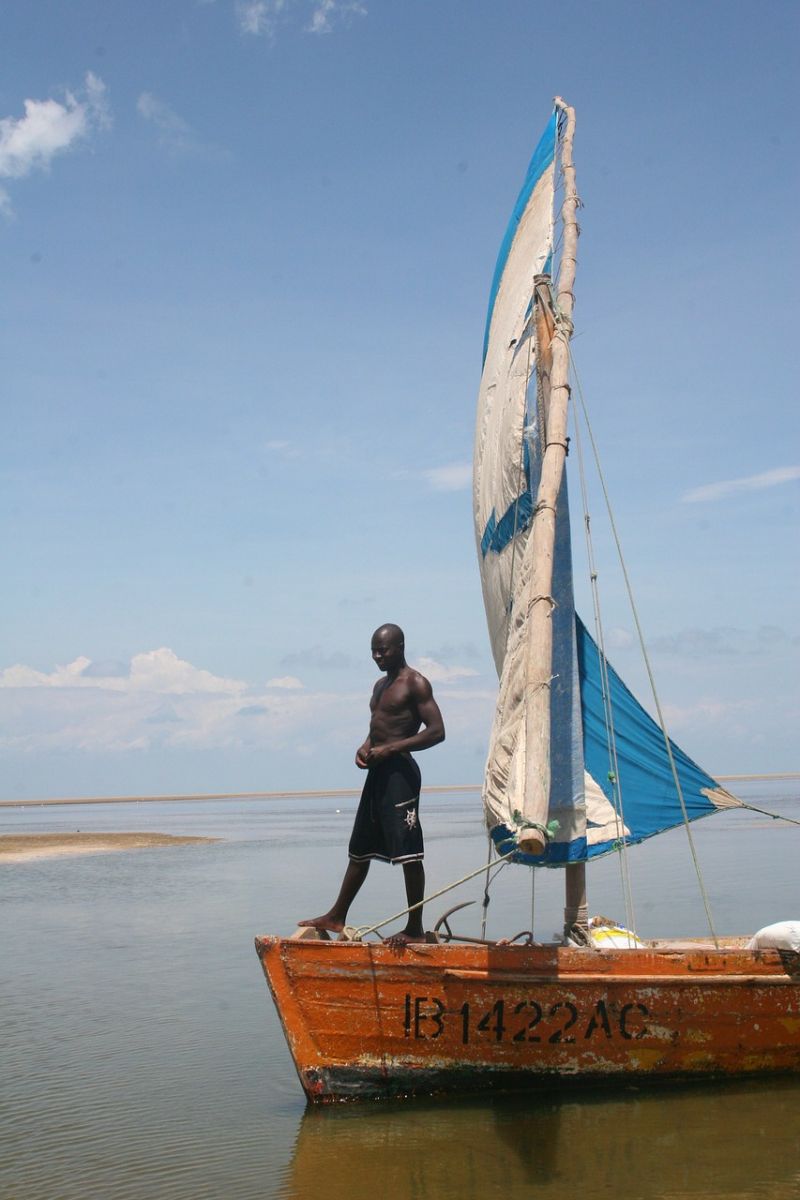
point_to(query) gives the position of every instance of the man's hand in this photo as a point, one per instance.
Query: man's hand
(362, 756)
(379, 753)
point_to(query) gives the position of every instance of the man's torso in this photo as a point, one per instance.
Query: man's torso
(394, 709)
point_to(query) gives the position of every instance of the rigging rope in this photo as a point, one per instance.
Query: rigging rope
(645, 657)
(613, 774)
(362, 930)
(486, 896)
(766, 813)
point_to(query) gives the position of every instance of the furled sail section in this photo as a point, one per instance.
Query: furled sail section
(509, 442)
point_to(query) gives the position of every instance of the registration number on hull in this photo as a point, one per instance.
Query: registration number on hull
(427, 1018)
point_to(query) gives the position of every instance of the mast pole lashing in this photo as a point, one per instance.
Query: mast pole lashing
(576, 908)
(539, 658)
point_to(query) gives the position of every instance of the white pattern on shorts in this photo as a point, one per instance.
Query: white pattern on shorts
(411, 818)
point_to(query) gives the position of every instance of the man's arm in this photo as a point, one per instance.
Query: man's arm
(431, 733)
(362, 753)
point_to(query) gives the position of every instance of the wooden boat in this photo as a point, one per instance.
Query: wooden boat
(576, 768)
(364, 1021)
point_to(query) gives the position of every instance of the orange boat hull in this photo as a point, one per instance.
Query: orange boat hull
(366, 1020)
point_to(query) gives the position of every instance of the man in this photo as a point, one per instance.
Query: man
(405, 717)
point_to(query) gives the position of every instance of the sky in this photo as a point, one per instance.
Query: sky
(246, 255)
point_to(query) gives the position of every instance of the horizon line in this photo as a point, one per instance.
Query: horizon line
(178, 798)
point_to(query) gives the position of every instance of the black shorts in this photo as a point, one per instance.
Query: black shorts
(387, 822)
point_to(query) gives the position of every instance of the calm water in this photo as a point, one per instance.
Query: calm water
(141, 1056)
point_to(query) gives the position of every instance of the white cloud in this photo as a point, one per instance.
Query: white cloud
(326, 12)
(158, 671)
(438, 673)
(707, 712)
(281, 448)
(175, 134)
(700, 645)
(750, 483)
(455, 477)
(287, 682)
(258, 17)
(71, 675)
(316, 658)
(618, 638)
(48, 128)
(163, 672)
(161, 702)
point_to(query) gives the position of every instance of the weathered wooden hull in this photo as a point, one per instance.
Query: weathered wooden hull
(367, 1021)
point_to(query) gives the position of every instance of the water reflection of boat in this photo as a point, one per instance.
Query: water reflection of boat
(739, 1142)
(568, 741)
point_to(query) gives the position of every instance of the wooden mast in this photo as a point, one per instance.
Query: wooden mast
(539, 657)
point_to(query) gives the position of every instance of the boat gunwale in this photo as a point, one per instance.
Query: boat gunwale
(567, 959)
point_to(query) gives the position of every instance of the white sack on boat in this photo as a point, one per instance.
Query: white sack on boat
(783, 935)
(606, 935)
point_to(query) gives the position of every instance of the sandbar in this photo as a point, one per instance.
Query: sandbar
(27, 847)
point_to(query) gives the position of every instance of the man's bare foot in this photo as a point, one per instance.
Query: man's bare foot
(326, 922)
(398, 940)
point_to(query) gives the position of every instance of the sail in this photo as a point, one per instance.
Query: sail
(502, 498)
(646, 790)
(583, 815)
(507, 467)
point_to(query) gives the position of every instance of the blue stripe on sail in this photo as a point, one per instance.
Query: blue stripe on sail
(543, 156)
(557, 854)
(487, 541)
(648, 789)
(517, 517)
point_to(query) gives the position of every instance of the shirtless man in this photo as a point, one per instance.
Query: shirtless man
(405, 717)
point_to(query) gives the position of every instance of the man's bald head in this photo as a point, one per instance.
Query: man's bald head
(388, 649)
(391, 634)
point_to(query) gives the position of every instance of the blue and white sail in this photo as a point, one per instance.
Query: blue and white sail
(643, 784)
(584, 814)
(507, 463)
(501, 491)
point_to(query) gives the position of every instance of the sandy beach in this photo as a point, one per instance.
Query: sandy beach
(29, 846)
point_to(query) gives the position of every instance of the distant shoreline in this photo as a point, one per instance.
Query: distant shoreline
(308, 795)
(203, 796)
